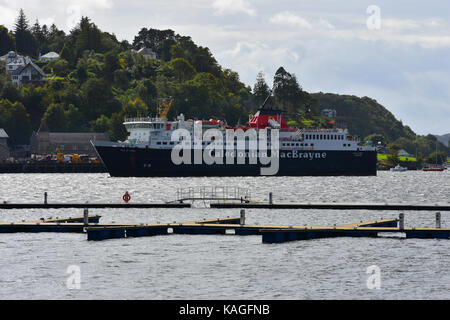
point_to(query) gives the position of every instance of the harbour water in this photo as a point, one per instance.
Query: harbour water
(34, 266)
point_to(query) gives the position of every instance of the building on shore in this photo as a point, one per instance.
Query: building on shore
(331, 113)
(4, 150)
(51, 56)
(45, 142)
(148, 53)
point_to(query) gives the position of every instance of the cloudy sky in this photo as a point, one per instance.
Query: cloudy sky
(397, 52)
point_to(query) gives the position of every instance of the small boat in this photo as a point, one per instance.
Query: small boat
(434, 167)
(398, 168)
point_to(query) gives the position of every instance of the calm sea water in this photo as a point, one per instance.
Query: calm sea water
(34, 266)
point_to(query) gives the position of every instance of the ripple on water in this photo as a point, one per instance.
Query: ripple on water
(189, 267)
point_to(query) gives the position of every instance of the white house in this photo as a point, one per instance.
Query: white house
(331, 113)
(51, 56)
(22, 69)
(13, 61)
(148, 53)
(28, 73)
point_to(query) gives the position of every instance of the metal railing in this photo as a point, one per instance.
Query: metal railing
(218, 193)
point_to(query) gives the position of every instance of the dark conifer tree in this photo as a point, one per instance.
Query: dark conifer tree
(25, 42)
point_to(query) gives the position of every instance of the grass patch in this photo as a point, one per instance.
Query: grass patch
(401, 158)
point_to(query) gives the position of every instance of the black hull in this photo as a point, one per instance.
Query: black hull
(138, 162)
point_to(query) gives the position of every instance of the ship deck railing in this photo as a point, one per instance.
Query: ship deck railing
(145, 119)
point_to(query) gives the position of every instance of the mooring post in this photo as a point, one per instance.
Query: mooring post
(438, 220)
(242, 217)
(45, 197)
(401, 221)
(86, 217)
(270, 198)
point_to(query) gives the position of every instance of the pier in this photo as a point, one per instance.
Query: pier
(337, 206)
(224, 226)
(52, 167)
(91, 205)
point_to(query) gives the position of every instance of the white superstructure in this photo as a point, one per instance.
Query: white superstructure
(156, 133)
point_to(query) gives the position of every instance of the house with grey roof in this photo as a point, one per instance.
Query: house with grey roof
(28, 73)
(13, 61)
(22, 69)
(4, 150)
(148, 53)
(51, 56)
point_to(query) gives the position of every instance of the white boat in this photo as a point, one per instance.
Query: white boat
(399, 168)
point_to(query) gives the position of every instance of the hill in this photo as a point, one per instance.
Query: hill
(99, 80)
(368, 119)
(445, 139)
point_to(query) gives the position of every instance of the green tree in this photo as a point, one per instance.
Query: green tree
(56, 38)
(102, 124)
(437, 157)
(117, 130)
(33, 100)
(287, 91)
(88, 38)
(96, 98)
(135, 108)
(392, 157)
(40, 38)
(56, 118)
(68, 53)
(148, 92)
(260, 90)
(16, 121)
(182, 69)
(177, 51)
(75, 119)
(7, 41)
(25, 42)
(376, 138)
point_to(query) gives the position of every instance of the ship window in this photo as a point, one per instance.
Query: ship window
(159, 142)
(171, 142)
(312, 144)
(165, 143)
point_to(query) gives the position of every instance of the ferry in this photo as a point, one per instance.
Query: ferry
(149, 149)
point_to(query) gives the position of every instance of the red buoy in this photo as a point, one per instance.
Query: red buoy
(126, 197)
